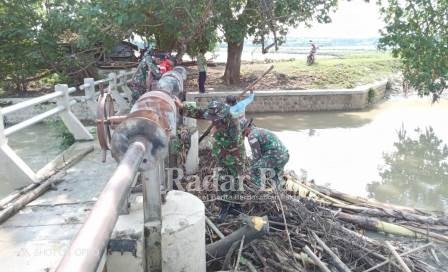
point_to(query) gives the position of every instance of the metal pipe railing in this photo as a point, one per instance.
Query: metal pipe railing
(139, 143)
(87, 248)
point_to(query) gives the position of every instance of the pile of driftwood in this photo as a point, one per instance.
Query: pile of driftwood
(300, 226)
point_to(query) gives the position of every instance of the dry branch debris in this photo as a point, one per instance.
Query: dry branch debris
(302, 221)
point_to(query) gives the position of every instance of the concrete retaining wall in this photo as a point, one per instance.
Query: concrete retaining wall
(265, 101)
(304, 100)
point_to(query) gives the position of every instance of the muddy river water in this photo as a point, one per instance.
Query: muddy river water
(395, 152)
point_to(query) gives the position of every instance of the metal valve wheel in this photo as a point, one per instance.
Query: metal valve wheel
(105, 110)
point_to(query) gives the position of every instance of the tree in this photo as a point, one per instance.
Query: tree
(19, 59)
(176, 25)
(415, 173)
(417, 32)
(43, 37)
(68, 37)
(240, 19)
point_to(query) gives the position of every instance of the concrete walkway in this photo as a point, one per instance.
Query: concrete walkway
(36, 238)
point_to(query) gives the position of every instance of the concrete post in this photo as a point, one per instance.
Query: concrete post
(89, 94)
(183, 233)
(123, 106)
(183, 236)
(15, 171)
(69, 119)
(152, 179)
(124, 86)
(18, 173)
(192, 161)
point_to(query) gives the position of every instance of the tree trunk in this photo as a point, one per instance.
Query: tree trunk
(233, 65)
(181, 49)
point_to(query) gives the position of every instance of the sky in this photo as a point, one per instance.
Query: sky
(354, 19)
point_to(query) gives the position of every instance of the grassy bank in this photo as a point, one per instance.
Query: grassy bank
(347, 71)
(343, 71)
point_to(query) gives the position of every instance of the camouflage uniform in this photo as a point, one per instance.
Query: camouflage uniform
(228, 147)
(139, 84)
(267, 151)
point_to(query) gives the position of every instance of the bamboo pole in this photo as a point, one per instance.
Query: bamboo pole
(70, 156)
(377, 225)
(402, 255)
(398, 214)
(316, 260)
(365, 201)
(214, 228)
(256, 227)
(381, 226)
(21, 201)
(403, 265)
(369, 222)
(306, 191)
(364, 221)
(25, 199)
(340, 265)
(426, 233)
(239, 255)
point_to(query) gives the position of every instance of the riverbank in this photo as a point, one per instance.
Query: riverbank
(342, 71)
(345, 71)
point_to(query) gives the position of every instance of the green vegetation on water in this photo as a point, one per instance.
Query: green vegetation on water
(347, 71)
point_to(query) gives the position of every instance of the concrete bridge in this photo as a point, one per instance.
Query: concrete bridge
(81, 214)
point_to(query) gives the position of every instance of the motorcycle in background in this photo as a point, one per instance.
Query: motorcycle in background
(311, 56)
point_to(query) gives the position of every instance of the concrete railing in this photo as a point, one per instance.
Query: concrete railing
(18, 172)
(112, 83)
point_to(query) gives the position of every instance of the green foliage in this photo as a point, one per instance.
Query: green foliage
(415, 173)
(417, 32)
(66, 139)
(44, 37)
(52, 80)
(257, 18)
(172, 25)
(261, 18)
(67, 37)
(19, 58)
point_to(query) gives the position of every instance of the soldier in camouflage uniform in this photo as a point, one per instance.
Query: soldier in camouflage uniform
(267, 151)
(228, 146)
(147, 71)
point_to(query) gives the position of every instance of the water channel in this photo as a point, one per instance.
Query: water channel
(395, 152)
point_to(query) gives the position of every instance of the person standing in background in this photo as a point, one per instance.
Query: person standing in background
(202, 67)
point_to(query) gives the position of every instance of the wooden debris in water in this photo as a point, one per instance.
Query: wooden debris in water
(305, 218)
